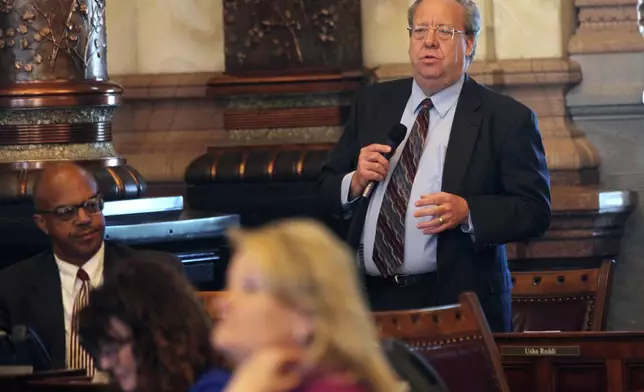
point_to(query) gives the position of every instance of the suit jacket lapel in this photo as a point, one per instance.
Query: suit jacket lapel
(46, 303)
(465, 131)
(389, 114)
(110, 258)
(392, 108)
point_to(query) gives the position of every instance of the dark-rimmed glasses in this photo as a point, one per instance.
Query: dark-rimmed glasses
(92, 206)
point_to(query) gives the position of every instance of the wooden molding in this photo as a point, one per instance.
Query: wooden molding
(279, 118)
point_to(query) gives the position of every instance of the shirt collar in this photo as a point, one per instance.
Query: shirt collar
(443, 100)
(93, 267)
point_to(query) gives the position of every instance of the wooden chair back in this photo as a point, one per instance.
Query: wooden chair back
(455, 339)
(565, 300)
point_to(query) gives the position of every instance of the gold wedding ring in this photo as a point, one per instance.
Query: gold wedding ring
(440, 219)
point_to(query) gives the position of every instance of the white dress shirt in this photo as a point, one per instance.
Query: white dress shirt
(420, 248)
(70, 287)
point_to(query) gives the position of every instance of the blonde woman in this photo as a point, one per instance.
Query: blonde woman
(294, 318)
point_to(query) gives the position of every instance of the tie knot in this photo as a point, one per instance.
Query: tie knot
(426, 104)
(82, 275)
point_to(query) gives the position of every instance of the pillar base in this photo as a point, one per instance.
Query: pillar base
(116, 179)
(61, 121)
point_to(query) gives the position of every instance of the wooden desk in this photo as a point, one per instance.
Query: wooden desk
(50, 381)
(67, 386)
(573, 361)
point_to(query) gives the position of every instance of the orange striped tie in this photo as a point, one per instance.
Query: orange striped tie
(78, 357)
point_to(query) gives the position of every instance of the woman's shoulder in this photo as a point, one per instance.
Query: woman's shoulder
(213, 381)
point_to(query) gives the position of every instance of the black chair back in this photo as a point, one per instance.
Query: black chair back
(412, 367)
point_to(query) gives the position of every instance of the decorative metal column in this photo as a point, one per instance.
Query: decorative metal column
(56, 101)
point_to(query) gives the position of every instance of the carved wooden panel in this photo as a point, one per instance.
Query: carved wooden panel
(586, 377)
(573, 362)
(520, 376)
(291, 35)
(634, 375)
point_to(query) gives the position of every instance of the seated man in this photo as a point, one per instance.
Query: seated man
(46, 291)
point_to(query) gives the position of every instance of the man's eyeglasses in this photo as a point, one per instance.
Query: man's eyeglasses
(93, 206)
(443, 32)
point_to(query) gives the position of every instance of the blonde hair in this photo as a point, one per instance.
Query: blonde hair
(311, 270)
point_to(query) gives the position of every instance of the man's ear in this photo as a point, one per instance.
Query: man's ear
(469, 46)
(40, 222)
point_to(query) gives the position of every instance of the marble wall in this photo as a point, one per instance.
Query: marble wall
(167, 36)
(164, 36)
(617, 136)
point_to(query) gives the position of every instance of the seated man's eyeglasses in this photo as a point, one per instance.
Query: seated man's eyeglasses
(92, 206)
(443, 32)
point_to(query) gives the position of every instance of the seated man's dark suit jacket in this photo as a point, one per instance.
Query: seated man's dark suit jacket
(495, 160)
(30, 294)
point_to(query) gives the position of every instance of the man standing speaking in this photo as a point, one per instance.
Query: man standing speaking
(469, 176)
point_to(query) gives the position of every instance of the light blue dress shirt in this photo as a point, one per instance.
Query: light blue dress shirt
(420, 248)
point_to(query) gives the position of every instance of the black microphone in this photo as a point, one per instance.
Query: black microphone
(394, 138)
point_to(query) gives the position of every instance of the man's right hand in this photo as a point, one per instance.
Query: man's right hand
(372, 166)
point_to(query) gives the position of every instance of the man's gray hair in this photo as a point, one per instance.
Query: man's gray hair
(472, 20)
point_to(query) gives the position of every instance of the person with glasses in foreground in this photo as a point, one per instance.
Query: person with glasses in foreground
(150, 339)
(293, 318)
(46, 291)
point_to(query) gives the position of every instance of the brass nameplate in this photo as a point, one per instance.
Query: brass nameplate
(541, 351)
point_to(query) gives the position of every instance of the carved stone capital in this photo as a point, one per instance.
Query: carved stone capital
(606, 26)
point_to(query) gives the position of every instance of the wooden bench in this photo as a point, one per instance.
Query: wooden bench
(229, 179)
(561, 300)
(455, 339)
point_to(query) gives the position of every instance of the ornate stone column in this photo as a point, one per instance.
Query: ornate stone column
(607, 106)
(640, 22)
(640, 15)
(56, 101)
(610, 50)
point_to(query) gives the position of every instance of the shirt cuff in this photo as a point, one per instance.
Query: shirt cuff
(344, 194)
(469, 227)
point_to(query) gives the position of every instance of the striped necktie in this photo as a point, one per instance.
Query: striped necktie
(78, 357)
(389, 245)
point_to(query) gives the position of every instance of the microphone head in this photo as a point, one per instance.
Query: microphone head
(396, 135)
(19, 332)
